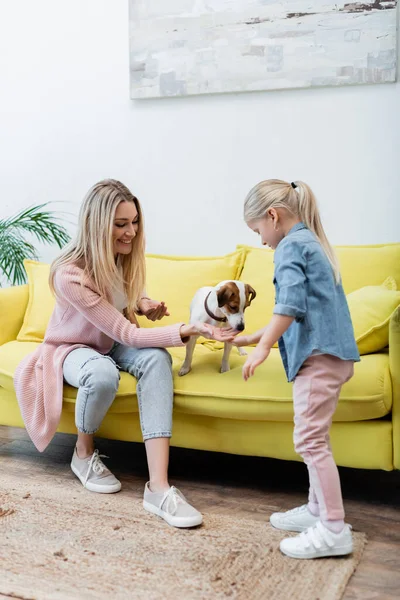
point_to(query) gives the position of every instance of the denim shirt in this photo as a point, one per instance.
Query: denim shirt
(306, 289)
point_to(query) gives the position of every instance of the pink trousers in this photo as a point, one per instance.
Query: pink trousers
(315, 395)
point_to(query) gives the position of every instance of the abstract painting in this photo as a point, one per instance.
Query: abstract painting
(184, 47)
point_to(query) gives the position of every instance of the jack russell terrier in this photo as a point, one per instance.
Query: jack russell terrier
(224, 303)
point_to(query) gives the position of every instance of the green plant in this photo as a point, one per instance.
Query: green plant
(14, 248)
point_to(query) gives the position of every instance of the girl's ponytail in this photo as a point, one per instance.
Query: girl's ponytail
(309, 214)
(298, 198)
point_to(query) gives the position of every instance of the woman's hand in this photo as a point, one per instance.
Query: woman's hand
(255, 359)
(152, 309)
(221, 334)
(209, 332)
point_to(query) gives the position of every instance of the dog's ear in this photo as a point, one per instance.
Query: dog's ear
(250, 294)
(223, 295)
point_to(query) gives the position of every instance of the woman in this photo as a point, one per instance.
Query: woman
(99, 281)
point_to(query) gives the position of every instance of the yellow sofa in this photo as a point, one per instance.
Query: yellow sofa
(220, 412)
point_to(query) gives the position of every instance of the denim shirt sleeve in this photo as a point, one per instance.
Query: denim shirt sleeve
(290, 276)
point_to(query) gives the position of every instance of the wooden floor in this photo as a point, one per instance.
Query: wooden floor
(247, 487)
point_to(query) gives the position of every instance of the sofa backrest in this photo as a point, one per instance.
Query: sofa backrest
(368, 265)
(360, 266)
(175, 279)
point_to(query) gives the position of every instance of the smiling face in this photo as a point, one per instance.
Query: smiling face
(125, 227)
(233, 298)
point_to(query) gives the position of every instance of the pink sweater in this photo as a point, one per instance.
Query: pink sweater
(81, 317)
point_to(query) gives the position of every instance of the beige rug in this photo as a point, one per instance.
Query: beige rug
(60, 542)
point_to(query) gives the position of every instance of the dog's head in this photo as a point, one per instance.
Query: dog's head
(233, 299)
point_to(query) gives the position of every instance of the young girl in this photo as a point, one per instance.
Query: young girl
(99, 281)
(312, 323)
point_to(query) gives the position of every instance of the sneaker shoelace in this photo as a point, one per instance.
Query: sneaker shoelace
(316, 536)
(96, 464)
(172, 498)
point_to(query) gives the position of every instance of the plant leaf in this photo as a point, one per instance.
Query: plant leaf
(43, 224)
(13, 251)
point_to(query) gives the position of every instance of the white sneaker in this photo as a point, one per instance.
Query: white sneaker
(297, 519)
(93, 473)
(172, 506)
(318, 542)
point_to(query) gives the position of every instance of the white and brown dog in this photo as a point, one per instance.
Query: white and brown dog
(223, 304)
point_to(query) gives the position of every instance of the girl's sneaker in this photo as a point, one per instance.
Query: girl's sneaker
(298, 519)
(93, 473)
(171, 506)
(317, 542)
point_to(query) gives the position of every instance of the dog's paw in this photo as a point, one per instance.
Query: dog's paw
(184, 370)
(225, 368)
(242, 352)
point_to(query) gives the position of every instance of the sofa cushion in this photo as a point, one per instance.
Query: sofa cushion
(371, 308)
(268, 395)
(359, 265)
(258, 271)
(175, 279)
(265, 397)
(368, 265)
(40, 302)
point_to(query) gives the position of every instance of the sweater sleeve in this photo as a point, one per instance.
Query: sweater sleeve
(103, 315)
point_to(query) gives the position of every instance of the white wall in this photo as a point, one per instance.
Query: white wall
(66, 121)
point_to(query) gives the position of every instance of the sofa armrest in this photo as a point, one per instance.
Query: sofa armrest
(13, 302)
(394, 363)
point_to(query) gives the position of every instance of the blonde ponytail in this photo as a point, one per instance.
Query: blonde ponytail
(299, 199)
(309, 214)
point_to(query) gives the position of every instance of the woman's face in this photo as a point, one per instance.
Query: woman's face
(125, 228)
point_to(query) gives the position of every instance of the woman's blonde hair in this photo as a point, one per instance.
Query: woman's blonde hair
(299, 200)
(92, 249)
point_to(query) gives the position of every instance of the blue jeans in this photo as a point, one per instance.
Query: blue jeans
(97, 378)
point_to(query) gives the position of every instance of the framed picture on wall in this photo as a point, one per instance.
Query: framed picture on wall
(184, 47)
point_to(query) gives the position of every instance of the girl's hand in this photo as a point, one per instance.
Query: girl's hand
(255, 359)
(243, 340)
(152, 309)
